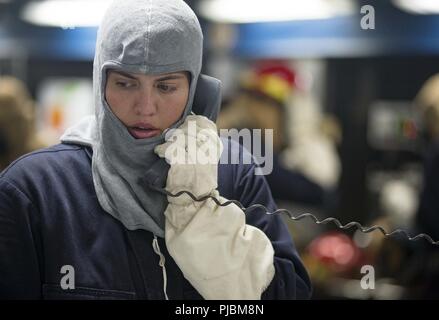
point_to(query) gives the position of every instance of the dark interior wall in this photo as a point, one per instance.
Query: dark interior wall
(352, 85)
(38, 70)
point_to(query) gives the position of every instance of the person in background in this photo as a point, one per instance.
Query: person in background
(17, 121)
(424, 275)
(305, 164)
(427, 105)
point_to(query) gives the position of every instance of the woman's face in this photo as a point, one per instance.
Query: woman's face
(147, 104)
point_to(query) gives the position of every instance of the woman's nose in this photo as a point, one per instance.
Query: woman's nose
(146, 104)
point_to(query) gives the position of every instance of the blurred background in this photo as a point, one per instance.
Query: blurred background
(350, 87)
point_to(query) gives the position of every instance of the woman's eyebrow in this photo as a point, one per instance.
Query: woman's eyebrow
(164, 78)
(170, 77)
(124, 74)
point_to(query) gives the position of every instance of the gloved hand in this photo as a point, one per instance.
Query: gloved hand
(193, 150)
(219, 254)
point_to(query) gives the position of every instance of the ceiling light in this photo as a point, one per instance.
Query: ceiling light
(65, 13)
(418, 6)
(246, 11)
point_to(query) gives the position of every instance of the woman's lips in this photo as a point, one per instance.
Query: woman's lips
(139, 133)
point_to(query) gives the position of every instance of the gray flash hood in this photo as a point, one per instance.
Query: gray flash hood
(148, 37)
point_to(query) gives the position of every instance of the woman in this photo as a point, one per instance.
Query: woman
(84, 219)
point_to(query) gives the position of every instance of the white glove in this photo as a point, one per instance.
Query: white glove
(221, 256)
(193, 151)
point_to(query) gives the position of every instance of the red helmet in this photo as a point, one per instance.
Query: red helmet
(273, 79)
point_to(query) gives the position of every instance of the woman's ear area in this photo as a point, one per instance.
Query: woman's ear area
(104, 89)
(189, 77)
(108, 73)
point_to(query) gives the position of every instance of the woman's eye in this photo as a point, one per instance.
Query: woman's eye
(166, 88)
(124, 84)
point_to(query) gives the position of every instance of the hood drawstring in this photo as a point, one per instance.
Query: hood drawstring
(156, 247)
